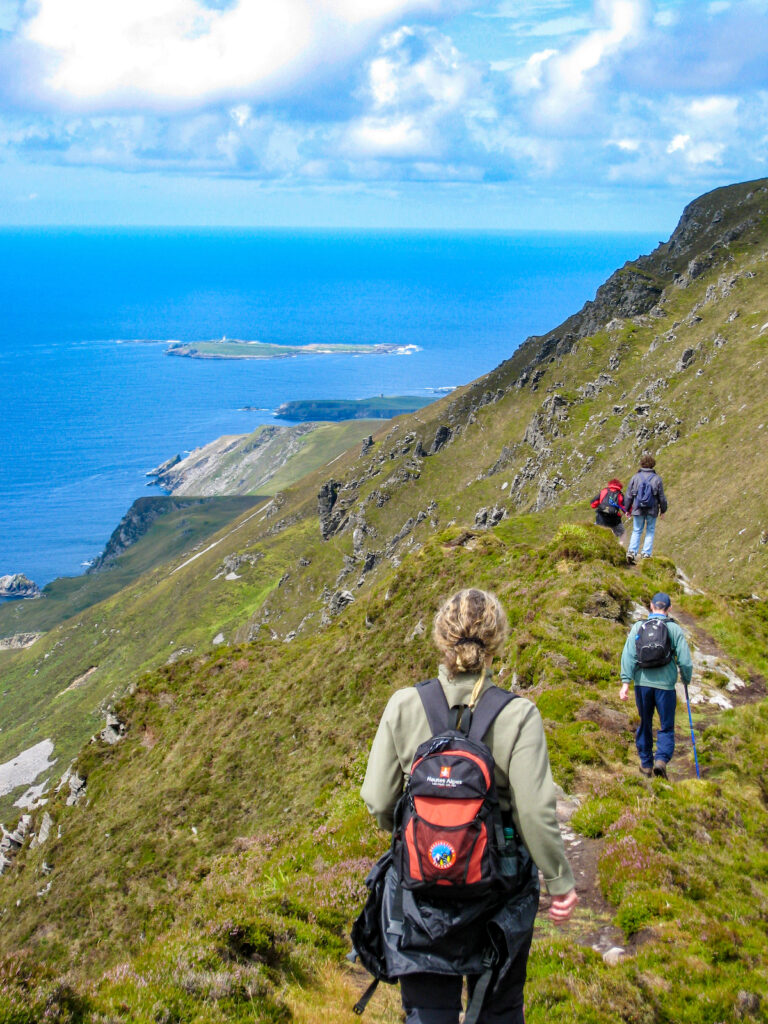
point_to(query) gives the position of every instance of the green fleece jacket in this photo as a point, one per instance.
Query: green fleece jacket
(523, 777)
(663, 677)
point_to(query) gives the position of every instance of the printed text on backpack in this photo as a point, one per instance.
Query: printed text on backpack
(449, 838)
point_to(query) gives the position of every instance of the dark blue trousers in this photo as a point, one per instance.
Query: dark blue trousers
(436, 998)
(648, 700)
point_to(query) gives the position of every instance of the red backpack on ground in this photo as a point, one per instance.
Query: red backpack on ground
(449, 838)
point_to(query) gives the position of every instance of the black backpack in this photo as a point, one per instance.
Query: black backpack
(653, 646)
(646, 497)
(609, 503)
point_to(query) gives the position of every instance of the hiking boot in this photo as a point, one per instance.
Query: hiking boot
(630, 558)
(660, 769)
(647, 556)
(645, 769)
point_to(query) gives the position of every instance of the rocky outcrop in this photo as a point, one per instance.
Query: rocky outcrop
(17, 585)
(13, 841)
(442, 437)
(326, 500)
(113, 731)
(161, 473)
(485, 518)
(134, 524)
(545, 424)
(18, 641)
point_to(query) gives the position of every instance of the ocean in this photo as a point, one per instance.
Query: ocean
(85, 417)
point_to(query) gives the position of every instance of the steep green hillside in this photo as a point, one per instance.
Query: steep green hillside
(152, 531)
(226, 844)
(214, 860)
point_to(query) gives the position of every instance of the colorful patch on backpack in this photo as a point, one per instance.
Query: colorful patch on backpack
(445, 772)
(442, 854)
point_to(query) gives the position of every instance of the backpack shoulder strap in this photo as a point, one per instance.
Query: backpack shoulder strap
(488, 707)
(435, 705)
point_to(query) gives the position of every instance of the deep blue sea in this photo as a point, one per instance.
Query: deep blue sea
(84, 418)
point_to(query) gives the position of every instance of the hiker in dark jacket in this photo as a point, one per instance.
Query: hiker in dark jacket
(609, 506)
(469, 630)
(655, 684)
(645, 503)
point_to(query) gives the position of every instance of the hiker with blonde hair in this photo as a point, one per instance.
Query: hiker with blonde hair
(431, 940)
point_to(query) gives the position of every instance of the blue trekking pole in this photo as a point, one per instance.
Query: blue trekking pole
(693, 738)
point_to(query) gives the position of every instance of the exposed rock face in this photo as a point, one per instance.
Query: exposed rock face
(545, 424)
(76, 789)
(442, 437)
(18, 641)
(113, 731)
(233, 464)
(485, 518)
(17, 585)
(326, 499)
(134, 524)
(685, 360)
(159, 472)
(602, 605)
(13, 841)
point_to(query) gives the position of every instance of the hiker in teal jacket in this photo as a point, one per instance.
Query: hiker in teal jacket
(655, 688)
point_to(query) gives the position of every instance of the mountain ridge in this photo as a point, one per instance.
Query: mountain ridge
(226, 844)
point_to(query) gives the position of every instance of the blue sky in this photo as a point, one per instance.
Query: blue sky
(573, 114)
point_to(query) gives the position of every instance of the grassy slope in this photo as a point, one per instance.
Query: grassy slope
(197, 923)
(246, 464)
(225, 743)
(169, 536)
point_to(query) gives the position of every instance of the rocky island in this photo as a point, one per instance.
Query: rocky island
(16, 585)
(231, 348)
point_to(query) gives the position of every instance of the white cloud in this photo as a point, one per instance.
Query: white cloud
(715, 112)
(132, 53)
(679, 143)
(627, 100)
(567, 80)
(530, 77)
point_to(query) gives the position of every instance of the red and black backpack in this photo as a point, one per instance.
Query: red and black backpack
(449, 838)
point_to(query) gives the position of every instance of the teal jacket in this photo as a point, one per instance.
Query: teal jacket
(665, 676)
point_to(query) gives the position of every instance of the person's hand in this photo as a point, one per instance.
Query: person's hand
(624, 691)
(561, 907)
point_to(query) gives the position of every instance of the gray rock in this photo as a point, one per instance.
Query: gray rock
(613, 956)
(685, 360)
(326, 499)
(418, 631)
(367, 444)
(114, 730)
(76, 789)
(442, 438)
(339, 600)
(44, 831)
(18, 586)
(485, 518)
